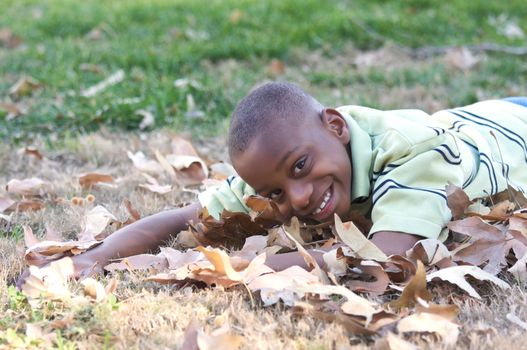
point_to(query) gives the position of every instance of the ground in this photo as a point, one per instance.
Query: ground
(187, 65)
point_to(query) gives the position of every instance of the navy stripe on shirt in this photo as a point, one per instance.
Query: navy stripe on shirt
(511, 135)
(389, 184)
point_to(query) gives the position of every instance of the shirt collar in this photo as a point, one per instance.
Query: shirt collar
(361, 157)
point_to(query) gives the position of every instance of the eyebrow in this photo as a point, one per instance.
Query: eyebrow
(284, 158)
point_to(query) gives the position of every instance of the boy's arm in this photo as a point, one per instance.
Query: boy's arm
(143, 235)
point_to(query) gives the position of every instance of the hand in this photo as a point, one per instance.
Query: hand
(394, 242)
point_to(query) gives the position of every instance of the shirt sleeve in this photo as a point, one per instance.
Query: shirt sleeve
(229, 196)
(409, 192)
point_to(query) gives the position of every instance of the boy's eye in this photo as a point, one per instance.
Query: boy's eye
(299, 166)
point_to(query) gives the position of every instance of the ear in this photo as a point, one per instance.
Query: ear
(335, 123)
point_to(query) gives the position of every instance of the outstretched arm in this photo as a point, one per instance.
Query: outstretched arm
(143, 235)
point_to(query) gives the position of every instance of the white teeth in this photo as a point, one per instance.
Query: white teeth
(324, 202)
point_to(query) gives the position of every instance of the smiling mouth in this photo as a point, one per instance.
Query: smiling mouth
(324, 204)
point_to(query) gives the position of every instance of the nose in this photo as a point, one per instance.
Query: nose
(299, 194)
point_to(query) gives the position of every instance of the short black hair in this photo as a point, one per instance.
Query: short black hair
(271, 102)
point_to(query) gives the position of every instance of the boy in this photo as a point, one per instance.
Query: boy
(315, 162)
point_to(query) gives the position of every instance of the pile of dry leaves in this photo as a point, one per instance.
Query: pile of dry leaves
(488, 238)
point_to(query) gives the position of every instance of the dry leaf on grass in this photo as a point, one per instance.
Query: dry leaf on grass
(431, 251)
(394, 342)
(9, 39)
(414, 290)
(461, 58)
(90, 179)
(139, 262)
(282, 285)
(25, 187)
(221, 171)
(144, 164)
(457, 201)
(5, 203)
(96, 291)
(353, 238)
(310, 260)
(154, 186)
(430, 323)
(24, 86)
(456, 275)
(13, 110)
(372, 278)
(41, 252)
(95, 222)
(34, 152)
(50, 281)
(219, 339)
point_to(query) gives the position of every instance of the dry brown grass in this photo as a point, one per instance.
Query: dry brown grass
(155, 316)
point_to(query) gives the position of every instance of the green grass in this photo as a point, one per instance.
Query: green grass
(157, 42)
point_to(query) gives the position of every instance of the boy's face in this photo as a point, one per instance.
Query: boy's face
(303, 166)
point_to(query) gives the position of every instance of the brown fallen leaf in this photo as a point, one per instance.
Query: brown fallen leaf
(372, 278)
(134, 214)
(230, 230)
(95, 223)
(24, 86)
(461, 58)
(219, 339)
(96, 291)
(329, 312)
(29, 238)
(449, 311)
(64, 322)
(431, 251)
(276, 67)
(27, 205)
(310, 261)
(353, 238)
(177, 259)
(430, 323)
(221, 171)
(159, 189)
(25, 187)
(456, 275)
(235, 16)
(32, 151)
(457, 201)
(88, 180)
(399, 269)
(282, 285)
(6, 203)
(414, 290)
(221, 262)
(50, 281)
(9, 39)
(144, 164)
(139, 262)
(41, 252)
(13, 110)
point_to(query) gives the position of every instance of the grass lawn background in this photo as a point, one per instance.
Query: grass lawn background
(343, 52)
